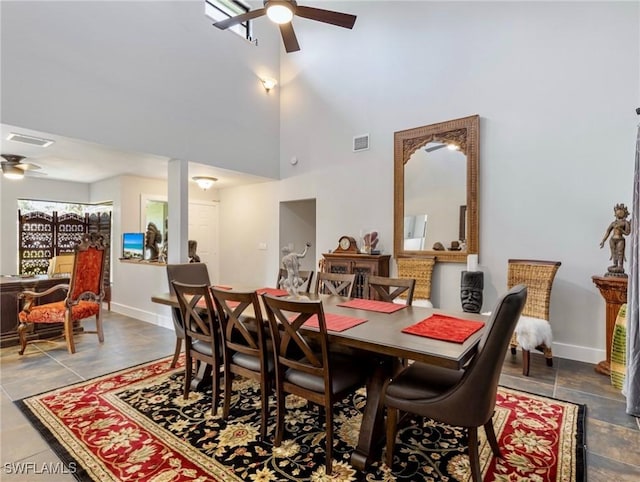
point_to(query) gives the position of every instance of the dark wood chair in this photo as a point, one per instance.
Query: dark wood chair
(388, 289)
(245, 352)
(189, 273)
(85, 293)
(306, 277)
(304, 368)
(340, 284)
(462, 398)
(201, 335)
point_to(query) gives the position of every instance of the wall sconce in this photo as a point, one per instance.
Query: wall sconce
(268, 83)
(205, 182)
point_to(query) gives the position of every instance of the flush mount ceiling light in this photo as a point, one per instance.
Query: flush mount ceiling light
(205, 182)
(34, 141)
(279, 12)
(268, 83)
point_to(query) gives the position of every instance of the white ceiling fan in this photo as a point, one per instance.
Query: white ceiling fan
(13, 167)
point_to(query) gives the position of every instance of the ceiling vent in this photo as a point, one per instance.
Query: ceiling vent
(34, 141)
(361, 143)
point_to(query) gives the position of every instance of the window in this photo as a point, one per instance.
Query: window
(223, 9)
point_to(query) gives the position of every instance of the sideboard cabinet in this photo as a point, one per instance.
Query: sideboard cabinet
(359, 264)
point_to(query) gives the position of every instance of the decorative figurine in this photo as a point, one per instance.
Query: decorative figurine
(620, 228)
(193, 256)
(153, 238)
(471, 286)
(291, 262)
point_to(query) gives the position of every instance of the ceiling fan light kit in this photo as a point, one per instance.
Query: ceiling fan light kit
(282, 12)
(12, 172)
(13, 166)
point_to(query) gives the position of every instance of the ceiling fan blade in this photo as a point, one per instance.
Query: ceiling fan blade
(435, 148)
(230, 22)
(344, 20)
(27, 166)
(289, 37)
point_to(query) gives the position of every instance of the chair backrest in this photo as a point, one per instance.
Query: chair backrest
(306, 278)
(234, 309)
(472, 401)
(341, 284)
(420, 269)
(388, 289)
(189, 273)
(197, 312)
(289, 343)
(88, 269)
(537, 276)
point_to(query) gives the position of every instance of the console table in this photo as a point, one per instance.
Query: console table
(10, 288)
(614, 291)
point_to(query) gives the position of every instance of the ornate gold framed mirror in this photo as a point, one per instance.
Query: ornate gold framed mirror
(436, 190)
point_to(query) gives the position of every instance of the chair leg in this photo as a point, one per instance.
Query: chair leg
(188, 373)
(177, 351)
(280, 407)
(22, 335)
(68, 333)
(526, 357)
(548, 355)
(491, 437)
(264, 394)
(392, 423)
(226, 403)
(474, 457)
(99, 327)
(329, 435)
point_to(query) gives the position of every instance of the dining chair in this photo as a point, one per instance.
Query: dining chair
(304, 367)
(388, 289)
(341, 284)
(306, 277)
(533, 331)
(201, 335)
(189, 273)
(461, 398)
(85, 292)
(244, 346)
(420, 269)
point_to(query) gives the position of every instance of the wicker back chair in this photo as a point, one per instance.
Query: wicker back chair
(537, 276)
(420, 269)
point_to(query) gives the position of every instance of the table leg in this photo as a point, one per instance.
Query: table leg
(372, 428)
(203, 378)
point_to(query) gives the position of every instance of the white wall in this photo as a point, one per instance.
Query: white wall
(147, 76)
(556, 86)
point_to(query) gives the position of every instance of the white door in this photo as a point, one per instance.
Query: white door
(203, 228)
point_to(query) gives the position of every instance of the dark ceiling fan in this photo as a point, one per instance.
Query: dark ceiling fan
(282, 11)
(14, 167)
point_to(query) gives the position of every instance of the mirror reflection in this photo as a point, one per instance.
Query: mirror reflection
(436, 169)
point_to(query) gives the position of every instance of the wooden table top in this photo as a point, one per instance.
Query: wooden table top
(382, 333)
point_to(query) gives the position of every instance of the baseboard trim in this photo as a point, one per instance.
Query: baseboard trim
(578, 353)
(142, 315)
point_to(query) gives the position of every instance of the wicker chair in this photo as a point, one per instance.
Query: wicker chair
(421, 270)
(533, 330)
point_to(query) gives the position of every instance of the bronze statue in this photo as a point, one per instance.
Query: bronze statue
(290, 262)
(620, 228)
(152, 239)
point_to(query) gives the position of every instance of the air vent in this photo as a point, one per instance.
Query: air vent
(361, 143)
(34, 141)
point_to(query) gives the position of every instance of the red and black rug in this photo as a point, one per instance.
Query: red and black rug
(134, 425)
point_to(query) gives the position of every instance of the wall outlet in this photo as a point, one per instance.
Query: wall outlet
(262, 246)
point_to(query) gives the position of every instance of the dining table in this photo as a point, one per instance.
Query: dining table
(382, 339)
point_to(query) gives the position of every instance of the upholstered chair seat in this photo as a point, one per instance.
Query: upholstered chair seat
(55, 312)
(345, 374)
(410, 385)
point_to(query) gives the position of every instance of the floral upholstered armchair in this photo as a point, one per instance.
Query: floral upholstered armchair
(85, 293)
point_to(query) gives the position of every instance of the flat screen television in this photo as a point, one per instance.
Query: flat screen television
(133, 245)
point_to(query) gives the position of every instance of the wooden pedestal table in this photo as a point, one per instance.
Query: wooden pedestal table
(614, 291)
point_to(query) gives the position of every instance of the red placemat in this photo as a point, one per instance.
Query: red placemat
(372, 305)
(202, 303)
(443, 327)
(272, 291)
(335, 322)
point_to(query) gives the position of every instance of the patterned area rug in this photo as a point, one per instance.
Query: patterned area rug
(135, 425)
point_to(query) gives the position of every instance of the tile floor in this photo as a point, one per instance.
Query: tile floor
(613, 438)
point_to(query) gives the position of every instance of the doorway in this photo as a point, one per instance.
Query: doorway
(297, 227)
